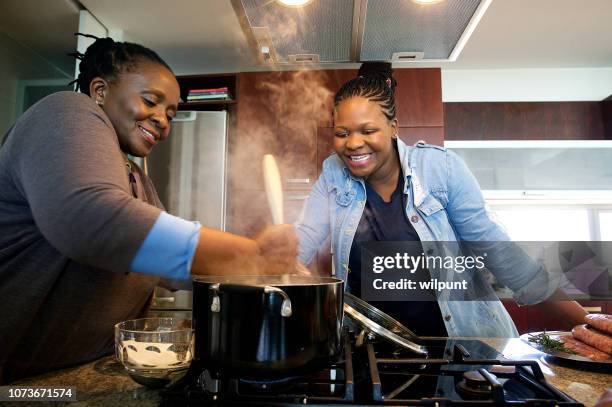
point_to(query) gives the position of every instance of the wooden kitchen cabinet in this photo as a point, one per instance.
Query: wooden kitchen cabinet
(418, 97)
(277, 113)
(325, 145)
(525, 120)
(606, 114)
(431, 135)
(254, 133)
(297, 98)
(249, 213)
(518, 315)
(333, 80)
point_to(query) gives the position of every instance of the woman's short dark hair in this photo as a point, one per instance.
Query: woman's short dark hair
(374, 82)
(107, 58)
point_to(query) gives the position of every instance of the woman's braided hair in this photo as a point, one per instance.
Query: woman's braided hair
(106, 58)
(375, 83)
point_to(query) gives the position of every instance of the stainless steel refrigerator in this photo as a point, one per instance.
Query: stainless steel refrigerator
(189, 173)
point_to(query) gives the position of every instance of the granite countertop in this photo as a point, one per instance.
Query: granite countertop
(586, 386)
(104, 382)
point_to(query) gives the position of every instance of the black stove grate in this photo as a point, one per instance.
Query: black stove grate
(460, 380)
(380, 373)
(332, 385)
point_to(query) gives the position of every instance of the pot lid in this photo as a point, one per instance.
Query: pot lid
(281, 280)
(380, 323)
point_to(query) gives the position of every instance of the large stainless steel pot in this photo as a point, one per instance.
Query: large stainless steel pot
(267, 326)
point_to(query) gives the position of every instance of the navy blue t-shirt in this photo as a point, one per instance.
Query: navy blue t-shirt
(387, 221)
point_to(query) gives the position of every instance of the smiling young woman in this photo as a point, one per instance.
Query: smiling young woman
(376, 188)
(364, 138)
(83, 235)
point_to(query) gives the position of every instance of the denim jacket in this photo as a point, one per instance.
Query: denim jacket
(444, 204)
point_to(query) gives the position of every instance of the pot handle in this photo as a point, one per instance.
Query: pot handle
(216, 303)
(286, 310)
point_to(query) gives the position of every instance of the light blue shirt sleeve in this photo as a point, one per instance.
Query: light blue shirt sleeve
(168, 249)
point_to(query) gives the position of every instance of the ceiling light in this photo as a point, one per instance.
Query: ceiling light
(426, 2)
(294, 3)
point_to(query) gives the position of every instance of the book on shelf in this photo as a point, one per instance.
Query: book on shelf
(208, 90)
(207, 97)
(207, 93)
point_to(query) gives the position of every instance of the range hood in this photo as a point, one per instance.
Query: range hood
(336, 31)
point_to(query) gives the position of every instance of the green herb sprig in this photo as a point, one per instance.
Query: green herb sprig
(549, 344)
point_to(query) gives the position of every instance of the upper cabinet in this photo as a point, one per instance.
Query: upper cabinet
(527, 104)
(277, 114)
(540, 169)
(420, 111)
(524, 121)
(419, 97)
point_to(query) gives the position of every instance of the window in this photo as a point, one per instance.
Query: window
(605, 225)
(537, 222)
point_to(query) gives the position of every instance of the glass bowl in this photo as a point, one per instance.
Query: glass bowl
(154, 351)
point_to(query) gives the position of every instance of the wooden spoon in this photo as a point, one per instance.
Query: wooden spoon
(274, 194)
(273, 187)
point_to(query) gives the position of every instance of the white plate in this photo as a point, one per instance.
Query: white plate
(562, 355)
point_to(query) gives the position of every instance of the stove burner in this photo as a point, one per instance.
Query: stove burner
(268, 386)
(475, 384)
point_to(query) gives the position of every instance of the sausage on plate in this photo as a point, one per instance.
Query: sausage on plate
(593, 337)
(602, 322)
(583, 349)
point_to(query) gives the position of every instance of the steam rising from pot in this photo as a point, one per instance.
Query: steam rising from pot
(278, 115)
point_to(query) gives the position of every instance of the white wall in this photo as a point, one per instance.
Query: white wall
(533, 85)
(88, 24)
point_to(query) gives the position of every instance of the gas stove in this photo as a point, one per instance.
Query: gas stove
(376, 372)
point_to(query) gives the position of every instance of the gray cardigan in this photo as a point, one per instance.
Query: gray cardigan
(69, 228)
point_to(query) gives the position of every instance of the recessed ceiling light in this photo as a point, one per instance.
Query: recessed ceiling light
(294, 3)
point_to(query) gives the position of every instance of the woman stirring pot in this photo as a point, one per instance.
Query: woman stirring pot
(83, 236)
